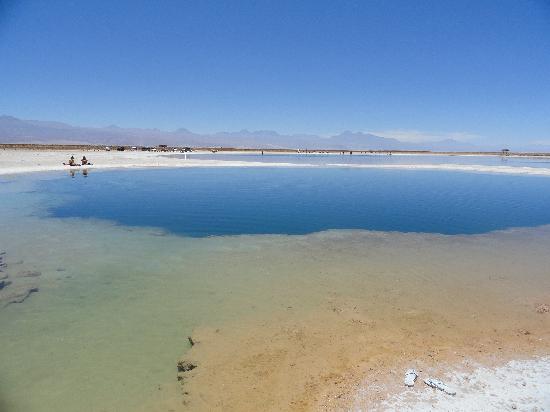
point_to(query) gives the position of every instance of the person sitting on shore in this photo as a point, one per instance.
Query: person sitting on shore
(85, 162)
(71, 162)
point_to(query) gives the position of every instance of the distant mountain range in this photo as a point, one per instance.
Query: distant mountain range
(14, 130)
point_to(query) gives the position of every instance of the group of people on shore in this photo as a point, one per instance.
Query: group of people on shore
(83, 162)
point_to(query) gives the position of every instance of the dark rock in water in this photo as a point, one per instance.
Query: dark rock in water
(61, 269)
(20, 295)
(4, 283)
(186, 366)
(29, 274)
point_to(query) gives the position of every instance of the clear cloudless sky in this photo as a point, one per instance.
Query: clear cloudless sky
(443, 67)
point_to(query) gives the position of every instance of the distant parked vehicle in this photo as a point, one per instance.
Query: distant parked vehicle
(120, 148)
(107, 148)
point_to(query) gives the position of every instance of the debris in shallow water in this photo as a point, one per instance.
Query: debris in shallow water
(543, 308)
(4, 283)
(437, 384)
(29, 274)
(191, 341)
(410, 377)
(185, 366)
(20, 296)
(159, 233)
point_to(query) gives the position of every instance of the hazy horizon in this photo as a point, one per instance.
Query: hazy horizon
(15, 130)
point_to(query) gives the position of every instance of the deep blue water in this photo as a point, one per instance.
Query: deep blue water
(228, 201)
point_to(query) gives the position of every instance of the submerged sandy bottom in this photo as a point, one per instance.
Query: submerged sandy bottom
(383, 302)
(323, 321)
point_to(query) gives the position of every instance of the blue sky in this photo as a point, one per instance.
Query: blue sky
(477, 70)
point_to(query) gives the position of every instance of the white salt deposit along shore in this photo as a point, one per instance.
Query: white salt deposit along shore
(29, 161)
(515, 170)
(521, 385)
(32, 161)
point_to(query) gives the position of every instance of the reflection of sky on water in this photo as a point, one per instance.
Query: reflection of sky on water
(231, 201)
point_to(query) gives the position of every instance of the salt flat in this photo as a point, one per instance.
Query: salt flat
(29, 161)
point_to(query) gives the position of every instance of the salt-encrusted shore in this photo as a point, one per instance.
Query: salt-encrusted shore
(515, 170)
(522, 385)
(29, 161)
(32, 161)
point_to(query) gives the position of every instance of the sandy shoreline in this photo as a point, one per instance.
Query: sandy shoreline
(35, 161)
